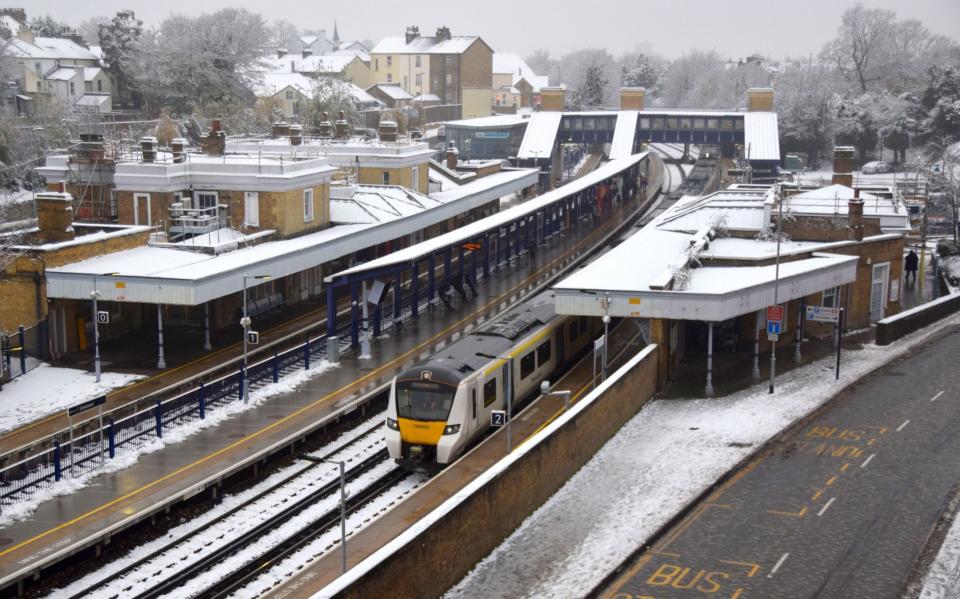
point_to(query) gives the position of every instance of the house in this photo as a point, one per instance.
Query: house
(391, 94)
(315, 44)
(514, 82)
(458, 69)
(347, 67)
(288, 91)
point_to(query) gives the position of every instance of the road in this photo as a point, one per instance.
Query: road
(839, 508)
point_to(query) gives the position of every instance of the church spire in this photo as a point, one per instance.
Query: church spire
(336, 36)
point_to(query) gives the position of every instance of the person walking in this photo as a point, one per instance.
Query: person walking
(911, 262)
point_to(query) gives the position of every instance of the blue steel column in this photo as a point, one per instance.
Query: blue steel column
(431, 277)
(377, 313)
(447, 259)
(397, 294)
(486, 256)
(354, 320)
(331, 311)
(460, 266)
(414, 288)
(519, 245)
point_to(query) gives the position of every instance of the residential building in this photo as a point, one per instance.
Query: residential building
(346, 67)
(391, 94)
(458, 69)
(514, 82)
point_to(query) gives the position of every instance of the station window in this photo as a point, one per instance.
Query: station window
(386, 177)
(566, 124)
(572, 331)
(489, 392)
(589, 124)
(644, 123)
(739, 124)
(307, 205)
(671, 124)
(830, 298)
(685, 123)
(698, 123)
(544, 351)
(726, 125)
(656, 124)
(713, 124)
(527, 365)
(578, 124)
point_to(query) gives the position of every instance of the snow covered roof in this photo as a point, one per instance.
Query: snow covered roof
(834, 200)
(323, 63)
(512, 64)
(457, 44)
(761, 135)
(427, 98)
(90, 73)
(63, 74)
(8, 22)
(369, 204)
(624, 134)
(541, 133)
(58, 47)
(492, 122)
(829, 193)
(97, 100)
(392, 90)
(270, 84)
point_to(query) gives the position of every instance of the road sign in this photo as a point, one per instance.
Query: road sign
(253, 337)
(775, 313)
(823, 314)
(773, 327)
(83, 407)
(773, 337)
(498, 418)
(103, 317)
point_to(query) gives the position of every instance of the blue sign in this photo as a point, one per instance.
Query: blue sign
(492, 135)
(773, 327)
(498, 418)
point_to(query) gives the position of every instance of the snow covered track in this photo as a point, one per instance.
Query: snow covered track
(263, 526)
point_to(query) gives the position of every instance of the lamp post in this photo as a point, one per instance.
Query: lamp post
(94, 295)
(605, 304)
(245, 323)
(343, 512)
(776, 289)
(565, 394)
(509, 393)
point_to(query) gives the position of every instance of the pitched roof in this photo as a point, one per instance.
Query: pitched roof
(90, 73)
(392, 90)
(457, 44)
(270, 84)
(323, 63)
(62, 74)
(63, 48)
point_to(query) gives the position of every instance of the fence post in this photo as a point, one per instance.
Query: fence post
(158, 415)
(203, 402)
(112, 439)
(276, 368)
(306, 354)
(57, 465)
(23, 350)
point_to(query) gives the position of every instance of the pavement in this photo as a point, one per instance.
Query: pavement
(841, 506)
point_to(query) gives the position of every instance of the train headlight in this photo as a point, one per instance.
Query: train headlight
(392, 424)
(451, 429)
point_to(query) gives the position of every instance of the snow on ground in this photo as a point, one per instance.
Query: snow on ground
(47, 389)
(943, 579)
(24, 507)
(824, 177)
(656, 464)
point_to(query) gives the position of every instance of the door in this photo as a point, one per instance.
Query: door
(142, 211)
(251, 209)
(878, 291)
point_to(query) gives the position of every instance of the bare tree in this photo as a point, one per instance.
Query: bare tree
(858, 49)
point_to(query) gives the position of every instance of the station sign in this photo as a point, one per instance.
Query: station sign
(103, 317)
(87, 405)
(253, 337)
(498, 418)
(823, 314)
(775, 313)
(773, 327)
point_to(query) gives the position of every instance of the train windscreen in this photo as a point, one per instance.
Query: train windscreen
(424, 400)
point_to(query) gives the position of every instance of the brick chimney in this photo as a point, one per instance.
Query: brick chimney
(178, 147)
(760, 99)
(843, 165)
(215, 142)
(281, 52)
(855, 217)
(55, 215)
(553, 98)
(148, 148)
(388, 129)
(326, 127)
(452, 155)
(341, 127)
(632, 98)
(413, 32)
(296, 135)
(306, 52)
(443, 34)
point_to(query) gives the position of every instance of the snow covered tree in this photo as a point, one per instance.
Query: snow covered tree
(118, 39)
(637, 71)
(47, 26)
(284, 34)
(857, 52)
(941, 103)
(856, 126)
(540, 61)
(572, 70)
(804, 105)
(90, 29)
(590, 93)
(697, 68)
(331, 96)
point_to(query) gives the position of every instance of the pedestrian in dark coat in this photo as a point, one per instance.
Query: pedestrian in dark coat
(911, 262)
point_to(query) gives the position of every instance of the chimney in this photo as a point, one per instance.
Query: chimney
(148, 148)
(279, 129)
(54, 216)
(342, 128)
(855, 218)
(281, 52)
(215, 142)
(413, 32)
(326, 127)
(452, 155)
(760, 99)
(215, 124)
(306, 52)
(75, 37)
(843, 165)
(296, 135)
(178, 146)
(388, 129)
(553, 98)
(632, 98)
(443, 34)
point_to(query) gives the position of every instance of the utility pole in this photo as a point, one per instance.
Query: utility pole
(776, 289)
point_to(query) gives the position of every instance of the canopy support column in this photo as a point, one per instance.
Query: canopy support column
(354, 317)
(206, 327)
(755, 373)
(708, 390)
(414, 290)
(331, 311)
(431, 278)
(161, 363)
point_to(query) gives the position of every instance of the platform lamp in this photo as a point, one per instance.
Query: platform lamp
(95, 295)
(245, 323)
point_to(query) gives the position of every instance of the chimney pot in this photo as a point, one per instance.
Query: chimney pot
(148, 148)
(452, 155)
(216, 125)
(855, 219)
(55, 216)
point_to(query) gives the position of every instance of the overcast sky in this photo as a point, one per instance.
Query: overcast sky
(735, 28)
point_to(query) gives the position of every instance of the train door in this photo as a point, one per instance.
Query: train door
(561, 345)
(507, 378)
(472, 407)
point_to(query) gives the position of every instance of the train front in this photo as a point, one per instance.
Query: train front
(417, 432)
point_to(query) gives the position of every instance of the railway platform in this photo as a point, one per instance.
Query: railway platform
(91, 515)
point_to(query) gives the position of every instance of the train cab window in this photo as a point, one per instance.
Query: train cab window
(544, 351)
(489, 393)
(473, 399)
(424, 400)
(572, 331)
(527, 365)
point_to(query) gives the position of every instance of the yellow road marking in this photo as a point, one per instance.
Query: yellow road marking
(817, 495)
(844, 467)
(754, 568)
(800, 514)
(251, 436)
(832, 480)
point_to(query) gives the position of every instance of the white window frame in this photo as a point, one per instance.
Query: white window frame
(834, 294)
(884, 291)
(136, 208)
(415, 178)
(386, 177)
(199, 205)
(251, 217)
(307, 205)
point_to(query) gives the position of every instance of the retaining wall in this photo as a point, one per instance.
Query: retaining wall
(892, 328)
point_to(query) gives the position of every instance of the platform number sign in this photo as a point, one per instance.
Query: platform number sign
(498, 418)
(103, 317)
(253, 337)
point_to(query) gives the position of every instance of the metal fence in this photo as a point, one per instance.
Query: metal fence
(22, 351)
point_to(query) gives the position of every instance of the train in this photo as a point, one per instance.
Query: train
(440, 407)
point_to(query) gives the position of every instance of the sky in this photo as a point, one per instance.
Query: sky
(668, 27)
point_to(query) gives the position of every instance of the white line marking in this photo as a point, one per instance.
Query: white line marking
(936, 397)
(824, 508)
(867, 461)
(779, 563)
(904, 425)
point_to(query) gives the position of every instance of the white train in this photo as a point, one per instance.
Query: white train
(440, 407)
